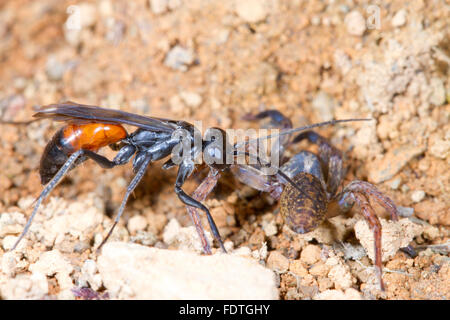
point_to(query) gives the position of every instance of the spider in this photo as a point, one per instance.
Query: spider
(308, 186)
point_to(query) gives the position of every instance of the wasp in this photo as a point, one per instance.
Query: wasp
(89, 128)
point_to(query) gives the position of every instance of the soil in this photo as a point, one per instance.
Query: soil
(214, 62)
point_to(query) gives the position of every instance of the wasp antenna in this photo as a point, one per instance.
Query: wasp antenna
(304, 128)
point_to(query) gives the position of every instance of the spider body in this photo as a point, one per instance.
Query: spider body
(309, 192)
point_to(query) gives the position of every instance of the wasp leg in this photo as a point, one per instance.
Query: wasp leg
(100, 160)
(137, 178)
(184, 171)
(48, 188)
(116, 146)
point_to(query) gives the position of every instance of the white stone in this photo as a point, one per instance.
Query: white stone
(159, 6)
(137, 223)
(89, 274)
(131, 271)
(50, 263)
(184, 238)
(418, 196)
(395, 235)
(399, 18)
(269, 228)
(405, 211)
(191, 99)
(179, 58)
(396, 183)
(355, 23)
(437, 96)
(25, 286)
(251, 10)
(323, 105)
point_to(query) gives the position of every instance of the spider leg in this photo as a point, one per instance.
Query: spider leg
(360, 192)
(252, 175)
(277, 121)
(256, 179)
(184, 171)
(375, 225)
(330, 158)
(370, 190)
(200, 194)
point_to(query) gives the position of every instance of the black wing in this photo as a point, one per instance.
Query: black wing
(73, 111)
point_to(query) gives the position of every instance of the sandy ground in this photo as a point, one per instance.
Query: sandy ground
(215, 61)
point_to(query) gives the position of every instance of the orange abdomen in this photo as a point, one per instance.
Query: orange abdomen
(92, 136)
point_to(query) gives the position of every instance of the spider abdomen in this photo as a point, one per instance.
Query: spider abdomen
(304, 210)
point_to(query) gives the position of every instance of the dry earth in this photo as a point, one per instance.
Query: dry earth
(215, 61)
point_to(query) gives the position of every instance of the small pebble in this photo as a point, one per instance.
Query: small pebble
(191, 99)
(161, 6)
(418, 196)
(55, 69)
(9, 241)
(88, 14)
(319, 270)
(179, 58)
(297, 268)
(251, 10)
(440, 148)
(405, 211)
(158, 6)
(243, 252)
(324, 106)
(399, 18)
(437, 96)
(89, 267)
(277, 262)
(395, 183)
(355, 23)
(310, 254)
(52, 262)
(146, 238)
(137, 223)
(269, 228)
